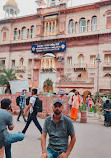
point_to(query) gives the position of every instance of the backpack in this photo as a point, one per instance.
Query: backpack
(18, 100)
(37, 105)
(28, 100)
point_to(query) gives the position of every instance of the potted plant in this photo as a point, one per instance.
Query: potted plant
(83, 112)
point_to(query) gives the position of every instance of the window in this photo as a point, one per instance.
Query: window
(13, 63)
(30, 64)
(24, 33)
(88, 25)
(94, 23)
(69, 60)
(107, 58)
(71, 26)
(92, 60)
(108, 20)
(82, 27)
(76, 27)
(32, 31)
(81, 59)
(21, 62)
(28, 33)
(4, 36)
(2, 63)
(15, 33)
(19, 35)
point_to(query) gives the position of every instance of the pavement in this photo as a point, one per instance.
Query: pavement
(93, 140)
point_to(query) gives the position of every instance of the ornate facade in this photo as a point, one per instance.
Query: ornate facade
(87, 33)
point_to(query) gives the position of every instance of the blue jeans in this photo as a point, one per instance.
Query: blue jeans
(107, 116)
(12, 139)
(52, 154)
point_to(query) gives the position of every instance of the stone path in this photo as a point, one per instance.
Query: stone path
(93, 140)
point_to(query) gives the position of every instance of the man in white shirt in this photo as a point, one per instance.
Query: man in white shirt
(32, 113)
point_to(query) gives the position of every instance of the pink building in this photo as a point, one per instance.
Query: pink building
(64, 45)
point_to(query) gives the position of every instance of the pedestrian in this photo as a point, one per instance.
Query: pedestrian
(107, 112)
(22, 105)
(70, 97)
(6, 138)
(76, 103)
(90, 102)
(32, 113)
(59, 128)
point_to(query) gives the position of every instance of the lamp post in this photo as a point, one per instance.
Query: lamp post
(98, 62)
(60, 61)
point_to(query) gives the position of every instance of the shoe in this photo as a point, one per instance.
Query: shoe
(18, 120)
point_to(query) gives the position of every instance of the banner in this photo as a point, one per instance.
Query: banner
(50, 47)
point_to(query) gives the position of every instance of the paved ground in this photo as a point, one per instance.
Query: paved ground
(93, 140)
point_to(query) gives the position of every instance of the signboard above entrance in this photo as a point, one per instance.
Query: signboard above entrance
(50, 47)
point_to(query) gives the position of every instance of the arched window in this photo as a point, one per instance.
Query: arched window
(32, 32)
(88, 25)
(81, 59)
(107, 75)
(15, 33)
(71, 26)
(23, 32)
(82, 25)
(21, 63)
(76, 27)
(94, 23)
(27, 33)
(108, 20)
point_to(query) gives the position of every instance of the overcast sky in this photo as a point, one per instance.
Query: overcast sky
(29, 6)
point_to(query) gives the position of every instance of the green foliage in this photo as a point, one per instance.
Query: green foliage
(83, 107)
(7, 76)
(93, 109)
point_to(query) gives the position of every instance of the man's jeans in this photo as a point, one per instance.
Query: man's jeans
(107, 116)
(52, 154)
(32, 117)
(21, 112)
(12, 139)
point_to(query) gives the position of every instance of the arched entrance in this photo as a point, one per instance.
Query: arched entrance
(48, 86)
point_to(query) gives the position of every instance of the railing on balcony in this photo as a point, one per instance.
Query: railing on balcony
(80, 66)
(20, 69)
(107, 65)
(50, 69)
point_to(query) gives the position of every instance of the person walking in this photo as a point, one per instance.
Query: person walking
(22, 105)
(70, 97)
(32, 116)
(6, 138)
(76, 103)
(59, 128)
(107, 113)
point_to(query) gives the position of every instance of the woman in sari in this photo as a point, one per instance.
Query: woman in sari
(76, 103)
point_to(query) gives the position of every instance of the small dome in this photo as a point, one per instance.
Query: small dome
(12, 3)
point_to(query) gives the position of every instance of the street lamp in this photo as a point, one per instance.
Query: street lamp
(98, 62)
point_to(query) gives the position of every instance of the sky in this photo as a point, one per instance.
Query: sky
(28, 7)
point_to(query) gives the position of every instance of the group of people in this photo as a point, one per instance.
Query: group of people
(57, 126)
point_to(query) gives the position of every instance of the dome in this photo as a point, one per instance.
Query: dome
(12, 3)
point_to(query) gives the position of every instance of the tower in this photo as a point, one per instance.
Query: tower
(11, 9)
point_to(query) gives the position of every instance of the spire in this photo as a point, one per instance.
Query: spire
(11, 9)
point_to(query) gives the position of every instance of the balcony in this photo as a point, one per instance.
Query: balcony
(107, 65)
(43, 69)
(82, 66)
(20, 69)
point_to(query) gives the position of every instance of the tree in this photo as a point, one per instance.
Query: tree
(6, 76)
(48, 83)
